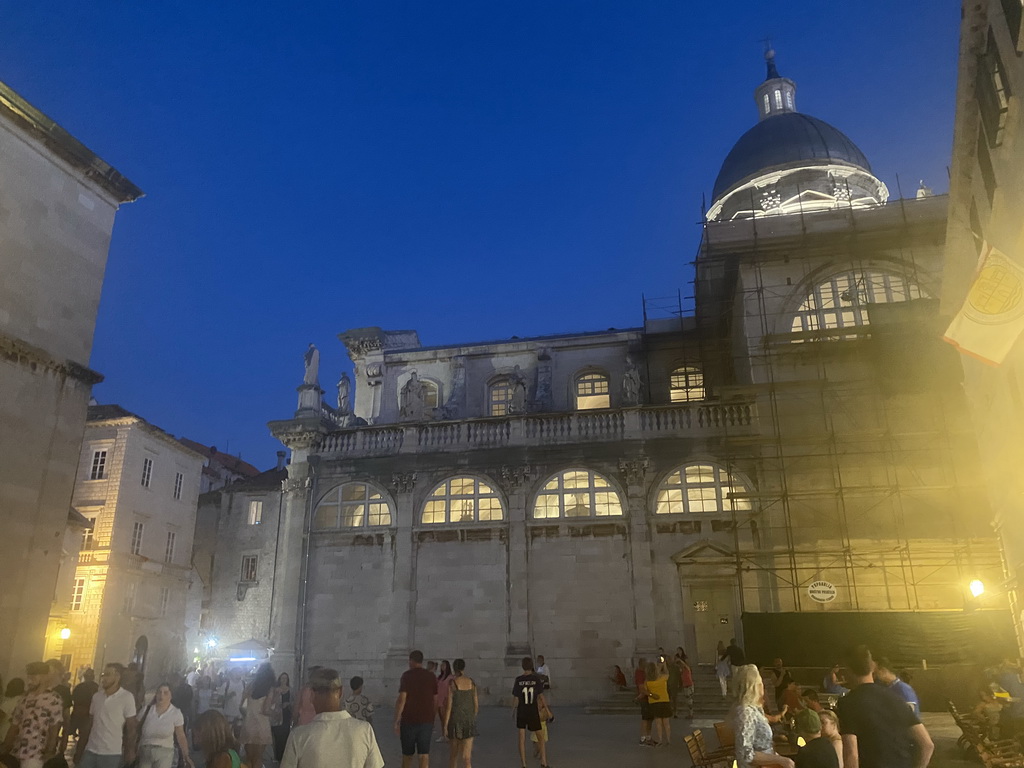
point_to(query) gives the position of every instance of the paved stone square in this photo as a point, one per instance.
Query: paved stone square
(579, 740)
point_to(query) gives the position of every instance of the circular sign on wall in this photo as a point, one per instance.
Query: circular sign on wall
(822, 591)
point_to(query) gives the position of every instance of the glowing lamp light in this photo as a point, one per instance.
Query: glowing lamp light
(800, 741)
(211, 643)
(242, 658)
(65, 633)
(977, 587)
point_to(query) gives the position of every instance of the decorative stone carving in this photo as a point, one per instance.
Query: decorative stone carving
(413, 399)
(511, 477)
(294, 484)
(455, 404)
(344, 394)
(770, 199)
(542, 400)
(840, 188)
(403, 482)
(374, 374)
(634, 470)
(312, 360)
(631, 383)
(517, 381)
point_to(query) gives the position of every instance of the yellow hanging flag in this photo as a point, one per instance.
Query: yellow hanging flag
(992, 316)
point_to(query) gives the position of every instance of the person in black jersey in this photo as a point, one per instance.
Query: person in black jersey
(526, 706)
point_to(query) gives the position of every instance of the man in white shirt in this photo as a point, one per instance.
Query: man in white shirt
(334, 737)
(111, 714)
(543, 672)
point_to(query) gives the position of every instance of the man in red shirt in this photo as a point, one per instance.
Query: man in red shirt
(414, 711)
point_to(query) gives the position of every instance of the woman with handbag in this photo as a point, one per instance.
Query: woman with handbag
(259, 701)
(160, 725)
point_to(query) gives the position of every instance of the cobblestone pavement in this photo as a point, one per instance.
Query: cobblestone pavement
(579, 740)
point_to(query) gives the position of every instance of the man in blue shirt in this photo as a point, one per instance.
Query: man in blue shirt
(888, 678)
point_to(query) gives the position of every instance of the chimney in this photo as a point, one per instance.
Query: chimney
(280, 459)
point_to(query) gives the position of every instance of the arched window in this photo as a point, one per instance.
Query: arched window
(686, 384)
(592, 391)
(430, 393)
(462, 500)
(843, 299)
(577, 493)
(700, 488)
(352, 505)
(778, 99)
(499, 397)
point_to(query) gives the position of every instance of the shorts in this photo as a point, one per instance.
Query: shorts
(645, 711)
(660, 709)
(528, 718)
(415, 738)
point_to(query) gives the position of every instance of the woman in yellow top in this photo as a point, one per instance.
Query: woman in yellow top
(657, 697)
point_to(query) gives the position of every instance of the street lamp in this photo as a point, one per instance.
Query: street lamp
(65, 633)
(977, 588)
(211, 643)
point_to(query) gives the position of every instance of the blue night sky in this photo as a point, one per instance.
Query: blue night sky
(469, 170)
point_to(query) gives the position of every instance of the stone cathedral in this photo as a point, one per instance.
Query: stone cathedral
(791, 464)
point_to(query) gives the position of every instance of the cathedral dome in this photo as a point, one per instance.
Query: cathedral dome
(782, 140)
(791, 163)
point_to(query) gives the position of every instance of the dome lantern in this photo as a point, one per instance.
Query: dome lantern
(776, 95)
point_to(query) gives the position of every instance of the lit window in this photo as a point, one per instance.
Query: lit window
(592, 392)
(685, 384)
(430, 396)
(700, 488)
(500, 397)
(77, 594)
(842, 300)
(462, 500)
(767, 104)
(255, 512)
(147, 472)
(249, 567)
(165, 599)
(88, 542)
(128, 605)
(179, 480)
(789, 99)
(137, 530)
(778, 100)
(352, 505)
(577, 493)
(99, 465)
(169, 549)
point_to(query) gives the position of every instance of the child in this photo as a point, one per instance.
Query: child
(541, 735)
(356, 704)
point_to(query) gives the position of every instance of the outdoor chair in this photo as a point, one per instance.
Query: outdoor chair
(712, 754)
(697, 757)
(723, 731)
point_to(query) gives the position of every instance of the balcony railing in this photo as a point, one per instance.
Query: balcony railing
(646, 423)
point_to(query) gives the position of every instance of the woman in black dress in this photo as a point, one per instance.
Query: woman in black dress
(281, 725)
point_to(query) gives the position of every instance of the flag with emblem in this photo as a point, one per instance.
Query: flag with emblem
(992, 316)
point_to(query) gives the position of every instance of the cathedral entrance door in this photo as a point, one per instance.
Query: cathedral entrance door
(712, 609)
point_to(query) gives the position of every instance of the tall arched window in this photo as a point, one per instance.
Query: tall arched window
(843, 299)
(700, 488)
(686, 384)
(430, 393)
(592, 391)
(352, 505)
(577, 493)
(499, 397)
(462, 500)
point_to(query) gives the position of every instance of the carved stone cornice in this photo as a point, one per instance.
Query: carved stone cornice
(634, 470)
(22, 353)
(511, 477)
(300, 434)
(294, 484)
(403, 482)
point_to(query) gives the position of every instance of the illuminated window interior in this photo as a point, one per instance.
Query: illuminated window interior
(77, 593)
(842, 300)
(700, 488)
(462, 500)
(767, 104)
(500, 397)
(577, 493)
(686, 384)
(352, 505)
(778, 99)
(592, 392)
(255, 512)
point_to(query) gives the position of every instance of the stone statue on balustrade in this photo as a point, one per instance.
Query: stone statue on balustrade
(517, 381)
(311, 376)
(412, 399)
(632, 386)
(344, 394)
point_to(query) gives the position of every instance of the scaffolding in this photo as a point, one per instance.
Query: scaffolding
(866, 474)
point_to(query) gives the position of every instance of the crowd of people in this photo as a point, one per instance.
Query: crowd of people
(664, 686)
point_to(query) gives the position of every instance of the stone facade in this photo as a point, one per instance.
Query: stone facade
(986, 197)
(57, 209)
(139, 487)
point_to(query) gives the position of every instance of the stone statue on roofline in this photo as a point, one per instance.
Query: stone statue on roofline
(412, 399)
(311, 376)
(517, 382)
(631, 383)
(344, 394)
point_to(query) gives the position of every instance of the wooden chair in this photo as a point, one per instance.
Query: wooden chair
(697, 757)
(723, 731)
(711, 754)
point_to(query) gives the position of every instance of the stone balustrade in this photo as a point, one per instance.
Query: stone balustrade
(644, 423)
